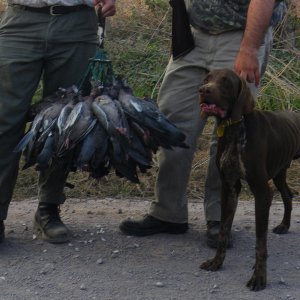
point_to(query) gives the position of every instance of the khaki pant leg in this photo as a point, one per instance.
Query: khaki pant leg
(228, 47)
(178, 100)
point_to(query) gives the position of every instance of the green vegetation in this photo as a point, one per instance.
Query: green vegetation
(281, 83)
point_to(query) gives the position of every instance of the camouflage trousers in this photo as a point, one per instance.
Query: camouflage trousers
(178, 99)
(34, 47)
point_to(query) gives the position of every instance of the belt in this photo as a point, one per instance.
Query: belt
(53, 10)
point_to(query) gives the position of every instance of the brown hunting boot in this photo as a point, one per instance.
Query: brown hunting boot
(48, 222)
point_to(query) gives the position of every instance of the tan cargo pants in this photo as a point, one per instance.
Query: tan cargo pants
(178, 99)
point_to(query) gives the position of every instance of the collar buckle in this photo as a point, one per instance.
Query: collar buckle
(226, 123)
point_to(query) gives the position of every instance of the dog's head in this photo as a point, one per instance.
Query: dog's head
(225, 95)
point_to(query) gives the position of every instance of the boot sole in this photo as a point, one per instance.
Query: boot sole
(144, 232)
(46, 238)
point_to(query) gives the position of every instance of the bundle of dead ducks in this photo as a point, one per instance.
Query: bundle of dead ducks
(109, 128)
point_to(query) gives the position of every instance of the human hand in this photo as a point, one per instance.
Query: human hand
(247, 66)
(108, 7)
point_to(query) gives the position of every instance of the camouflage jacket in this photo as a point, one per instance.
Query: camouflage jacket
(217, 16)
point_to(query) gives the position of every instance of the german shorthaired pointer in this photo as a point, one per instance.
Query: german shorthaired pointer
(255, 146)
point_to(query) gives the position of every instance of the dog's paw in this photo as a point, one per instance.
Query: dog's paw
(211, 264)
(281, 229)
(257, 282)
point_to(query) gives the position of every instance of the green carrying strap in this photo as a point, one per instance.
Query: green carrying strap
(100, 67)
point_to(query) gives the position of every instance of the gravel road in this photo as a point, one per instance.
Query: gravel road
(101, 263)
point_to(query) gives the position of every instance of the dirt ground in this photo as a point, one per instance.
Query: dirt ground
(101, 263)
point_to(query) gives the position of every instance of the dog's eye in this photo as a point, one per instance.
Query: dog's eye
(225, 81)
(206, 80)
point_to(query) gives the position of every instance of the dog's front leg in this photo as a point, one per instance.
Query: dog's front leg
(287, 196)
(263, 199)
(228, 207)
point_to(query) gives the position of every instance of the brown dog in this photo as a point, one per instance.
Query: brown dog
(253, 145)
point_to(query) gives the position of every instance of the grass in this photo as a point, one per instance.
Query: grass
(138, 43)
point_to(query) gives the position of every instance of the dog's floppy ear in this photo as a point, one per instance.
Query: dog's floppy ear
(244, 103)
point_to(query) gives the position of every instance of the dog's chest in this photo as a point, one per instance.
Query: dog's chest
(230, 156)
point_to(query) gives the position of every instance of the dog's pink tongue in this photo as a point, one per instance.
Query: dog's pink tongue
(212, 109)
